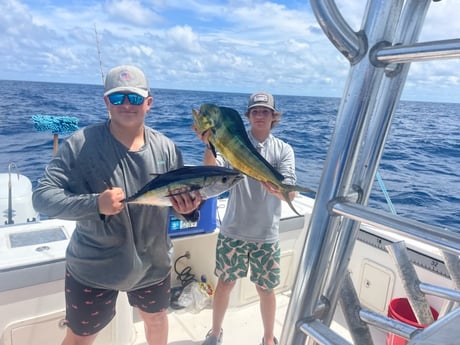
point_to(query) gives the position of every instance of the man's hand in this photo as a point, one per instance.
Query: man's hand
(184, 203)
(204, 137)
(272, 189)
(109, 201)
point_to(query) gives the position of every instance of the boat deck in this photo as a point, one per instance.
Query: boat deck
(242, 325)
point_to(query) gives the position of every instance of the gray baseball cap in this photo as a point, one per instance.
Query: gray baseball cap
(261, 99)
(126, 79)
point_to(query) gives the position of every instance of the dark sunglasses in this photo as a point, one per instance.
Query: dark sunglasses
(119, 98)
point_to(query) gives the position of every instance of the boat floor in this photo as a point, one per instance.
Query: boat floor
(242, 324)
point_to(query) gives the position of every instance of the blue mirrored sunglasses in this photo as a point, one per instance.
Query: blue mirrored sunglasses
(119, 98)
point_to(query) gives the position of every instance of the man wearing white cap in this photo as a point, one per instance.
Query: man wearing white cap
(115, 246)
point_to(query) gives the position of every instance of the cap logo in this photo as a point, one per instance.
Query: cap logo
(124, 75)
(260, 98)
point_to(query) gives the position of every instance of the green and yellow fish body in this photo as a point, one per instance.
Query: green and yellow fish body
(230, 138)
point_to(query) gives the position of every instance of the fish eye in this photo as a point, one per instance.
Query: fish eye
(224, 179)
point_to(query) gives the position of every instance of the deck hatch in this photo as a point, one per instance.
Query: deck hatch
(29, 238)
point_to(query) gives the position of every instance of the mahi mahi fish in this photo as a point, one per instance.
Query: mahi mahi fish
(229, 137)
(209, 181)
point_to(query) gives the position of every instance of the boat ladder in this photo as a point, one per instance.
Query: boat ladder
(380, 54)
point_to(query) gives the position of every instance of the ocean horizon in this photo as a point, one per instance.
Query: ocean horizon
(419, 166)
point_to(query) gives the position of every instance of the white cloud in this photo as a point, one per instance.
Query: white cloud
(183, 38)
(132, 12)
(216, 45)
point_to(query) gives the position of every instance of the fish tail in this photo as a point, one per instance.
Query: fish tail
(288, 200)
(289, 188)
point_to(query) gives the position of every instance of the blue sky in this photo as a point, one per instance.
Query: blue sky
(235, 45)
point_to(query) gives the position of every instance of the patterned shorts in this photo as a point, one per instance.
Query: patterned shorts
(89, 310)
(234, 257)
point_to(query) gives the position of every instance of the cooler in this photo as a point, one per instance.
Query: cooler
(206, 223)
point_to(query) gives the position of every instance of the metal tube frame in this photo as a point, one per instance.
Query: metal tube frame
(367, 107)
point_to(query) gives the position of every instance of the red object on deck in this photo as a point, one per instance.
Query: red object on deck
(401, 310)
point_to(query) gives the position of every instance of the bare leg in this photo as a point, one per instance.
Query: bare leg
(267, 310)
(156, 327)
(73, 339)
(220, 303)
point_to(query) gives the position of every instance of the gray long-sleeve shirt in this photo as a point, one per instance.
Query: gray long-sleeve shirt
(252, 213)
(127, 251)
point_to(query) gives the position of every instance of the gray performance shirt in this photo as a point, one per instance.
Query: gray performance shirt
(252, 213)
(127, 251)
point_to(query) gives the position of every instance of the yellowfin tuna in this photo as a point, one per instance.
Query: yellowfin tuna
(210, 181)
(229, 137)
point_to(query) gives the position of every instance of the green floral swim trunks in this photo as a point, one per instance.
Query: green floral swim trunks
(235, 257)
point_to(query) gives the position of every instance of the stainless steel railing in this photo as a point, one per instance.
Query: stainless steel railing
(379, 54)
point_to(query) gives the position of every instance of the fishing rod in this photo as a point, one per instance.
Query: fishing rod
(63, 124)
(100, 60)
(99, 54)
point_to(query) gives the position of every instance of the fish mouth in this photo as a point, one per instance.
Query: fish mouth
(197, 120)
(201, 123)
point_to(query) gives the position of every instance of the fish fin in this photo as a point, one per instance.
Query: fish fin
(213, 149)
(288, 188)
(288, 200)
(211, 145)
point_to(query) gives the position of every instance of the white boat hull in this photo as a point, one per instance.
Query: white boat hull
(32, 291)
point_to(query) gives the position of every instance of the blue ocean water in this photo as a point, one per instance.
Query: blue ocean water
(420, 165)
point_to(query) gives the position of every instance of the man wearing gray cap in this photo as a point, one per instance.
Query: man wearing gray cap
(115, 246)
(248, 235)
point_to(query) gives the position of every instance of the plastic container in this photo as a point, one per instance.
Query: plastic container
(206, 223)
(401, 310)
